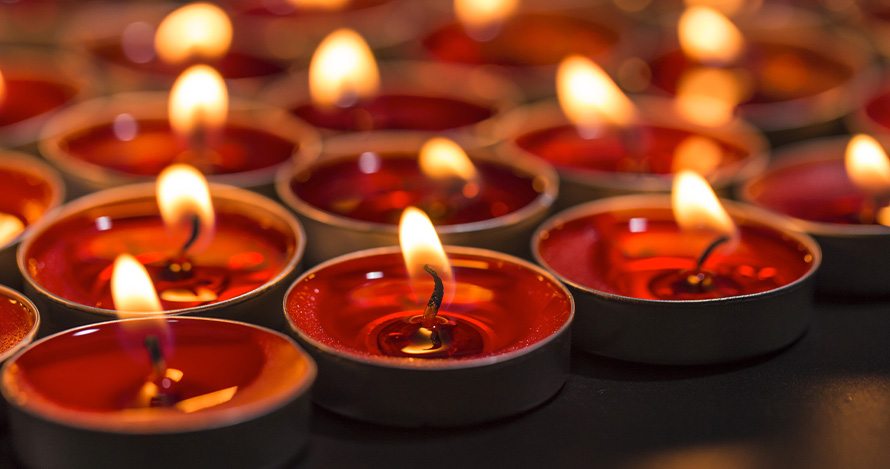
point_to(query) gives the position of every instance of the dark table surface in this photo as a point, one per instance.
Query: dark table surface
(824, 401)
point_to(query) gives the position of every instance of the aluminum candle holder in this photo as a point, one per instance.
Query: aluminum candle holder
(524, 320)
(256, 252)
(612, 322)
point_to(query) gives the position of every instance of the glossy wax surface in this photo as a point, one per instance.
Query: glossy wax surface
(16, 321)
(878, 109)
(89, 376)
(626, 252)
(523, 40)
(779, 72)
(30, 97)
(73, 257)
(150, 145)
(378, 187)
(816, 190)
(396, 112)
(23, 194)
(277, 8)
(341, 304)
(233, 64)
(652, 152)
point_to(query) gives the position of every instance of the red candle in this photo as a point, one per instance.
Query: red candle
(221, 379)
(353, 198)
(18, 322)
(256, 245)
(492, 322)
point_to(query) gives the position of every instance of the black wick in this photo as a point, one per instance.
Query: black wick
(153, 346)
(709, 250)
(196, 230)
(432, 307)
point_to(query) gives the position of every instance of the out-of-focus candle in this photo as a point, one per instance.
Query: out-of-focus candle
(493, 331)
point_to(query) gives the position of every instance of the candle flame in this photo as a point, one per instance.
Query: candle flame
(131, 288)
(727, 7)
(2, 88)
(867, 164)
(441, 157)
(198, 101)
(342, 70)
(708, 96)
(696, 206)
(195, 31)
(10, 227)
(480, 15)
(184, 196)
(708, 36)
(327, 5)
(587, 95)
(420, 246)
(697, 153)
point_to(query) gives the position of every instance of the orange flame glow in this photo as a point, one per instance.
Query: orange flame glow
(479, 15)
(198, 101)
(131, 288)
(588, 96)
(342, 70)
(708, 36)
(696, 206)
(420, 245)
(195, 31)
(867, 165)
(708, 96)
(440, 157)
(183, 195)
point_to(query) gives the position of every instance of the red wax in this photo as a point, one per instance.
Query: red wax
(30, 97)
(153, 146)
(16, 321)
(817, 190)
(378, 187)
(343, 305)
(87, 377)
(275, 8)
(642, 253)
(779, 72)
(233, 64)
(23, 194)
(652, 152)
(72, 259)
(396, 112)
(878, 109)
(523, 40)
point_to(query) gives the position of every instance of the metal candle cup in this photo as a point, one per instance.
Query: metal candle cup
(592, 168)
(243, 397)
(29, 188)
(592, 248)
(809, 185)
(414, 97)
(19, 322)
(255, 253)
(522, 312)
(534, 185)
(127, 138)
(37, 82)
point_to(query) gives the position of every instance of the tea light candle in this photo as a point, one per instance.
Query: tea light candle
(399, 96)
(228, 253)
(525, 44)
(148, 46)
(696, 286)
(28, 189)
(131, 137)
(35, 83)
(238, 395)
(793, 80)
(810, 184)
(19, 322)
(492, 340)
(352, 199)
(604, 144)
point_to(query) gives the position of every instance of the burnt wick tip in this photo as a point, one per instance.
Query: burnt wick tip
(153, 346)
(435, 302)
(710, 249)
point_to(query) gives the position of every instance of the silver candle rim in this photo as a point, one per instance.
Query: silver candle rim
(436, 364)
(220, 420)
(32, 333)
(147, 191)
(753, 213)
(26, 163)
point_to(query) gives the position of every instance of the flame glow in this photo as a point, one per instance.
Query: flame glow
(587, 95)
(198, 101)
(131, 287)
(708, 36)
(696, 206)
(420, 245)
(708, 96)
(183, 194)
(440, 157)
(478, 15)
(2, 88)
(867, 164)
(342, 70)
(328, 5)
(727, 7)
(10, 227)
(697, 153)
(195, 31)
